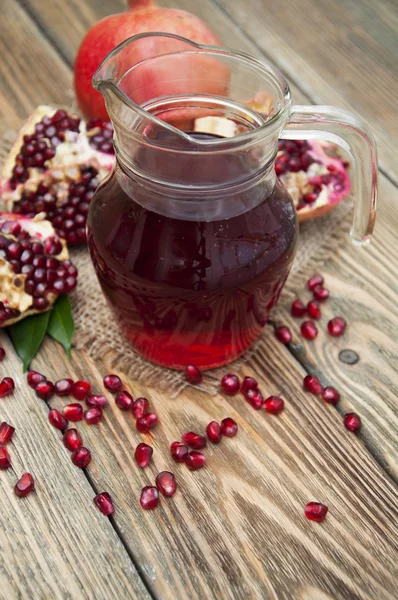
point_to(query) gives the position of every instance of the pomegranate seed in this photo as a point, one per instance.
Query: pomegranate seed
(44, 390)
(112, 383)
(213, 431)
(312, 384)
(7, 387)
(192, 374)
(249, 383)
(320, 293)
(283, 334)
(254, 398)
(73, 412)
(63, 387)
(6, 433)
(72, 440)
(81, 389)
(230, 384)
(274, 405)
(5, 461)
(309, 330)
(81, 457)
(336, 326)
(166, 483)
(140, 408)
(124, 400)
(195, 460)
(93, 415)
(330, 395)
(143, 454)
(94, 401)
(149, 497)
(315, 511)
(57, 420)
(104, 503)
(147, 422)
(24, 486)
(315, 280)
(352, 422)
(314, 312)
(2, 353)
(298, 309)
(33, 378)
(194, 440)
(178, 451)
(229, 427)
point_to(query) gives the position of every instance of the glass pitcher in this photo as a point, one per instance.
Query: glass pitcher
(192, 235)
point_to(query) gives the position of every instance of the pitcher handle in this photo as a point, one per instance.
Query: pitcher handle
(353, 135)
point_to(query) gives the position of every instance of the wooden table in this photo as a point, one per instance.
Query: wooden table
(236, 529)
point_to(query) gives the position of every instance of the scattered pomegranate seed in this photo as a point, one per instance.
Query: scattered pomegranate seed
(113, 383)
(24, 486)
(314, 312)
(315, 511)
(330, 395)
(194, 440)
(93, 415)
(312, 384)
(298, 309)
(5, 461)
(315, 280)
(229, 427)
(33, 378)
(124, 400)
(81, 389)
(336, 326)
(57, 420)
(195, 460)
(81, 457)
(72, 440)
(274, 405)
(254, 398)
(143, 454)
(104, 503)
(309, 330)
(352, 422)
(283, 334)
(94, 401)
(166, 483)
(249, 383)
(2, 353)
(147, 422)
(178, 451)
(213, 431)
(73, 412)
(192, 374)
(230, 384)
(6, 433)
(320, 293)
(140, 408)
(149, 497)
(44, 390)
(7, 387)
(63, 387)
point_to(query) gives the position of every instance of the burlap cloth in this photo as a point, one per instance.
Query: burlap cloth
(97, 332)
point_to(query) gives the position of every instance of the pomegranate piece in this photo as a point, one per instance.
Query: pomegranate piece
(24, 486)
(194, 440)
(195, 460)
(166, 483)
(142, 455)
(146, 423)
(81, 389)
(298, 309)
(112, 383)
(44, 390)
(7, 387)
(2, 354)
(249, 383)
(73, 412)
(330, 395)
(104, 502)
(57, 420)
(6, 433)
(283, 334)
(320, 293)
(314, 312)
(274, 405)
(5, 461)
(94, 401)
(72, 440)
(149, 497)
(229, 427)
(33, 378)
(81, 457)
(124, 400)
(140, 408)
(315, 511)
(336, 326)
(178, 451)
(352, 422)
(193, 375)
(254, 398)
(93, 415)
(63, 387)
(213, 432)
(309, 330)
(314, 281)
(230, 384)
(312, 384)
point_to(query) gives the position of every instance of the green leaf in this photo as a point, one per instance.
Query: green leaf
(27, 336)
(61, 325)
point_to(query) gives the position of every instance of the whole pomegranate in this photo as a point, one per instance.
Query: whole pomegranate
(143, 16)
